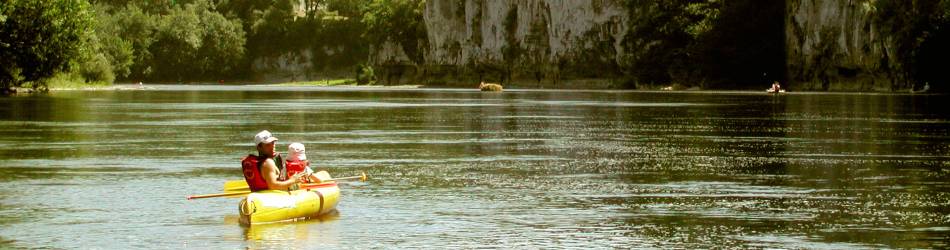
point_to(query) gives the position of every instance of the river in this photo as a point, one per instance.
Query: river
(454, 168)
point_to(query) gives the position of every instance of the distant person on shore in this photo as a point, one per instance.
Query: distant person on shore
(490, 87)
(266, 169)
(924, 89)
(298, 163)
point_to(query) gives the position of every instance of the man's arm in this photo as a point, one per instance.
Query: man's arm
(270, 173)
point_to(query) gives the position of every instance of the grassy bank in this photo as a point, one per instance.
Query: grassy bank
(71, 81)
(63, 81)
(321, 83)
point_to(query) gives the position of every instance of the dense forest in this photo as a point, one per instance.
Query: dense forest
(715, 44)
(188, 40)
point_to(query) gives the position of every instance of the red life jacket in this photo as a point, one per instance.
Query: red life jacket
(294, 167)
(252, 172)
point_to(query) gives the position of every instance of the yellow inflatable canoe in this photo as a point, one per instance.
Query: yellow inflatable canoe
(268, 206)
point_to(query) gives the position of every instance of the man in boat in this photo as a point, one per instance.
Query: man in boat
(266, 169)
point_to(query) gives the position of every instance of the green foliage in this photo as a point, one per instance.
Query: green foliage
(338, 40)
(38, 38)
(329, 33)
(222, 46)
(707, 13)
(365, 74)
(97, 69)
(116, 51)
(156, 40)
(658, 39)
(72, 80)
(271, 31)
(135, 28)
(399, 21)
(187, 40)
(707, 43)
(321, 83)
(195, 42)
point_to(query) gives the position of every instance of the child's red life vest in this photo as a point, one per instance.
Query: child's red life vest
(252, 172)
(294, 167)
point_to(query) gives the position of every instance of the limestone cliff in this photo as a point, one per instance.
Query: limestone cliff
(829, 45)
(834, 45)
(522, 42)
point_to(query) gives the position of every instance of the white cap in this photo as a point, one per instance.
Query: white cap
(297, 152)
(264, 137)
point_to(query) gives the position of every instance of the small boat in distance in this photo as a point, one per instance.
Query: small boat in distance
(490, 87)
(776, 88)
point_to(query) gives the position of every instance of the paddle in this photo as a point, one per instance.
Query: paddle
(304, 186)
(241, 185)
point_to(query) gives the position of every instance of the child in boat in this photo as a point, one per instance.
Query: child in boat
(297, 162)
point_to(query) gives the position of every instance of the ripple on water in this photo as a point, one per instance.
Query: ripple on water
(783, 241)
(464, 169)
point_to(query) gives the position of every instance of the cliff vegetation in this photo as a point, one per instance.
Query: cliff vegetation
(851, 45)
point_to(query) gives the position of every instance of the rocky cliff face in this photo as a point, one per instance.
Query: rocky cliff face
(535, 43)
(834, 45)
(830, 45)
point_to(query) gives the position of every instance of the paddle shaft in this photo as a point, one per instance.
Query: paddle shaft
(241, 185)
(306, 186)
(361, 177)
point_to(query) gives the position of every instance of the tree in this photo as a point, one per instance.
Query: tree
(658, 39)
(38, 38)
(222, 47)
(130, 24)
(195, 42)
(710, 43)
(399, 21)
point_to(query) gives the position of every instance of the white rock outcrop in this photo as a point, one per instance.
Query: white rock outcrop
(473, 38)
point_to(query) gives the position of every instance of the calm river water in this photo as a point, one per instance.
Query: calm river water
(466, 169)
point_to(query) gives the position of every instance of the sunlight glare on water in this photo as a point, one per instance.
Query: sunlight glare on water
(454, 168)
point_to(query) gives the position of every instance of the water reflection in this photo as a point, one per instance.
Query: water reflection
(302, 234)
(464, 169)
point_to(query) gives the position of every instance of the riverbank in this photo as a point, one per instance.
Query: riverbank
(158, 86)
(66, 85)
(72, 85)
(345, 82)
